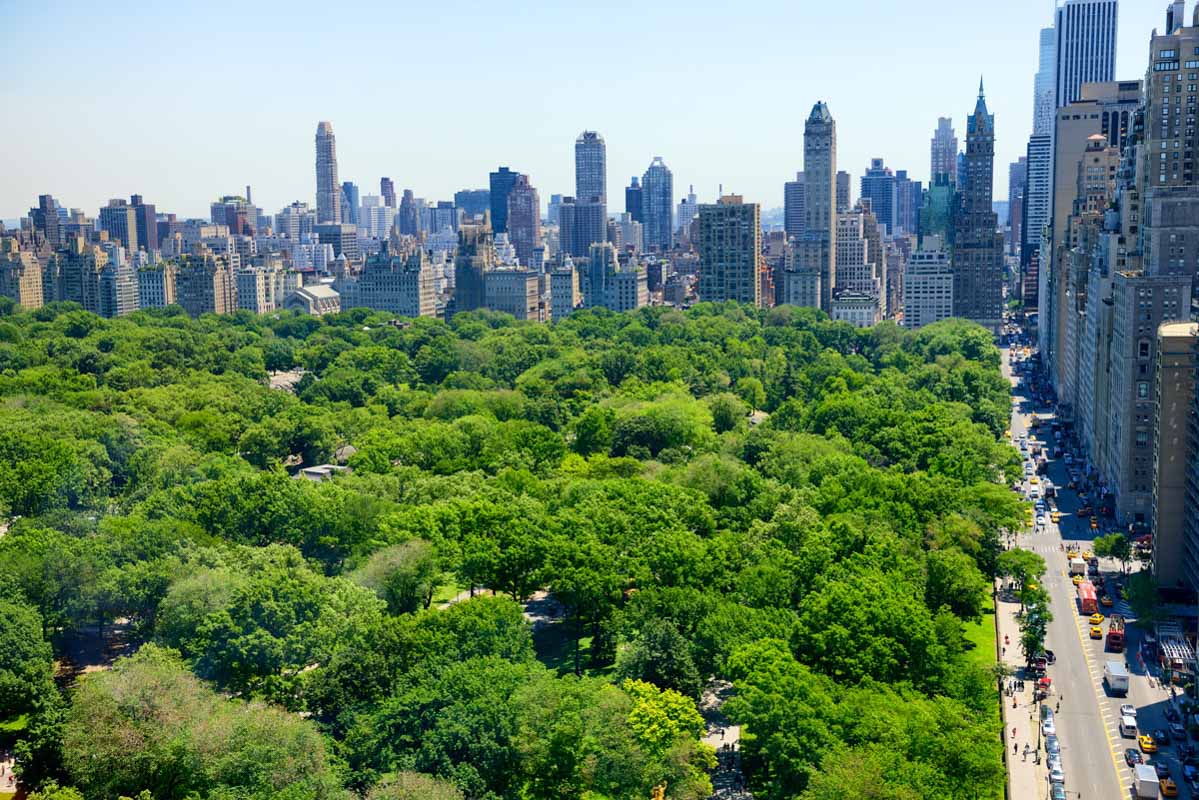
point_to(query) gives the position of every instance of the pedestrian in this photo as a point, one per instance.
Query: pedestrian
(1015, 746)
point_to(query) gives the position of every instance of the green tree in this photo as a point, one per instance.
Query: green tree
(405, 575)
(660, 655)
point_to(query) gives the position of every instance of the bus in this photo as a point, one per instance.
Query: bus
(1087, 600)
(1115, 634)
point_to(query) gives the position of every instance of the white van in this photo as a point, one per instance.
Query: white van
(1128, 727)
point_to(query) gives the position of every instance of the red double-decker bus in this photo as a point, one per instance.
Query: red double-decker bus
(1115, 634)
(1087, 600)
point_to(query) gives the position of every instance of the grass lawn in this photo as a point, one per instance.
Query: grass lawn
(981, 637)
(556, 649)
(14, 725)
(447, 592)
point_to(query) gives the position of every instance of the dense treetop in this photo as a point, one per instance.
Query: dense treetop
(765, 497)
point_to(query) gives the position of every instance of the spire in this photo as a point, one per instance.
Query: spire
(981, 106)
(981, 93)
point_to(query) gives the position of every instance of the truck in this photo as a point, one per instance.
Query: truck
(1115, 675)
(1146, 782)
(1088, 602)
(1077, 565)
(1115, 634)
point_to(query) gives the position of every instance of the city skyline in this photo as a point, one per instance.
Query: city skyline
(181, 162)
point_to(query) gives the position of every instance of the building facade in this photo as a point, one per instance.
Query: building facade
(591, 168)
(978, 245)
(657, 206)
(729, 245)
(328, 187)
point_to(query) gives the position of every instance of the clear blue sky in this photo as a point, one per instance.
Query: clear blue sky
(183, 102)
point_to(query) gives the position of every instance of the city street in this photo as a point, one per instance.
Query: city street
(1090, 758)
(1087, 724)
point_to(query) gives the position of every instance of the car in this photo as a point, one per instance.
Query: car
(1107, 601)
(1071, 485)
(1171, 712)
(1056, 773)
(1041, 521)
(1077, 579)
(1034, 480)
(1132, 757)
(1168, 787)
(1161, 737)
(1056, 516)
(1147, 744)
(1096, 632)
(1087, 555)
(1128, 710)
(1046, 713)
(1163, 769)
(1094, 525)
(1096, 618)
(1084, 511)
(1058, 792)
(1178, 731)
(1048, 727)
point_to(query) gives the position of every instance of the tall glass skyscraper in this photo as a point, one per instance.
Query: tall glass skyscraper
(657, 206)
(591, 176)
(1085, 44)
(328, 190)
(501, 183)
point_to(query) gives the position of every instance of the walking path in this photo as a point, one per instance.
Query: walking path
(1024, 777)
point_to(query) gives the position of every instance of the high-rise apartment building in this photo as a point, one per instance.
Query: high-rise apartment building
(688, 209)
(927, 288)
(474, 258)
(591, 171)
(328, 188)
(633, 199)
(794, 196)
(1085, 46)
(730, 244)
(502, 181)
(657, 206)
(119, 220)
(387, 189)
(513, 291)
(879, 187)
(399, 283)
(407, 219)
(46, 221)
(1173, 400)
(978, 245)
(20, 275)
(156, 285)
(524, 219)
(909, 196)
(342, 236)
(565, 294)
(943, 157)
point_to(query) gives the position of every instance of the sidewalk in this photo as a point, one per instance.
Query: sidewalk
(1026, 778)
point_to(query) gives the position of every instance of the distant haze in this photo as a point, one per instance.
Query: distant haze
(184, 102)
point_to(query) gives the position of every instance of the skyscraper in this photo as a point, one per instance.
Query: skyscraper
(147, 223)
(879, 187)
(472, 202)
(328, 188)
(820, 206)
(349, 202)
(730, 243)
(633, 199)
(591, 172)
(1085, 46)
(909, 196)
(387, 188)
(793, 207)
(474, 258)
(1017, 177)
(688, 208)
(120, 221)
(408, 217)
(1044, 87)
(45, 220)
(844, 198)
(943, 158)
(657, 205)
(501, 183)
(978, 246)
(524, 219)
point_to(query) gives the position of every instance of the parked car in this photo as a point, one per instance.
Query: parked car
(1133, 757)
(1161, 737)
(1178, 731)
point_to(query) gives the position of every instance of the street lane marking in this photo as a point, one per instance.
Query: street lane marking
(1117, 753)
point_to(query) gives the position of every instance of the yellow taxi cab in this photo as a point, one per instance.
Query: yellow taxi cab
(1147, 744)
(1034, 480)
(1072, 553)
(1096, 632)
(1077, 579)
(1087, 555)
(1106, 601)
(1094, 525)
(1056, 516)
(1096, 618)
(1169, 787)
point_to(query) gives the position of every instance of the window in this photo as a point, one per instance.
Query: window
(1142, 390)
